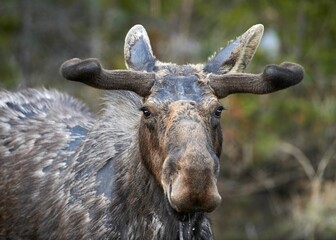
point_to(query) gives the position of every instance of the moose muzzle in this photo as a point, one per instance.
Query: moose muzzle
(193, 171)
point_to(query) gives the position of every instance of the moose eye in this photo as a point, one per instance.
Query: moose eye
(219, 111)
(146, 112)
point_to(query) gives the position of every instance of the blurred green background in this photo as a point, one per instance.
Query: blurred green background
(278, 164)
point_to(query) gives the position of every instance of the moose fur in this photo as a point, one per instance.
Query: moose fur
(145, 168)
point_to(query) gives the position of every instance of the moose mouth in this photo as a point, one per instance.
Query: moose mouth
(179, 216)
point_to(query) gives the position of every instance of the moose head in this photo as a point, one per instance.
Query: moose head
(180, 137)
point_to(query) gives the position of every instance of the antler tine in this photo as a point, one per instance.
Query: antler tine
(90, 72)
(274, 78)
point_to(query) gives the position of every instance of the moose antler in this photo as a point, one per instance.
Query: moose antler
(222, 68)
(90, 72)
(274, 78)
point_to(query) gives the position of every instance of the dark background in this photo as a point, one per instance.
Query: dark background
(278, 164)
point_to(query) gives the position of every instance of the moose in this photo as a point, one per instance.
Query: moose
(146, 167)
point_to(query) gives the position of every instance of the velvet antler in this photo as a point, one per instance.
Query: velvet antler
(90, 72)
(274, 78)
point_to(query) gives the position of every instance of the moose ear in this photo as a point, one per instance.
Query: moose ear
(237, 54)
(137, 50)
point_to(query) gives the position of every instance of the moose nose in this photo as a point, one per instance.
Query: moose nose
(200, 195)
(194, 186)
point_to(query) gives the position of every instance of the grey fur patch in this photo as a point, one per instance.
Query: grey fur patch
(28, 110)
(78, 133)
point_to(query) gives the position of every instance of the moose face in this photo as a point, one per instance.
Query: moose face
(180, 134)
(181, 139)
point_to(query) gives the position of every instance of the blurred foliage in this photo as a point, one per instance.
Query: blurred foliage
(270, 142)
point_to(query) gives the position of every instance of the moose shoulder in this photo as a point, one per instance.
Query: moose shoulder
(146, 167)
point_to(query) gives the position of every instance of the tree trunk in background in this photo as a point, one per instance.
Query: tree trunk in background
(95, 39)
(155, 8)
(25, 41)
(186, 13)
